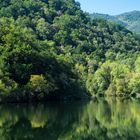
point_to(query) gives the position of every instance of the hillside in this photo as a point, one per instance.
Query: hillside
(52, 50)
(131, 20)
(107, 17)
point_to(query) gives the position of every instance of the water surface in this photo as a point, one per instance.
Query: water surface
(95, 120)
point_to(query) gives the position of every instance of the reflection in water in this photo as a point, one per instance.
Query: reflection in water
(96, 120)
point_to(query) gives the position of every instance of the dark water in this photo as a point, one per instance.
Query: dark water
(95, 120)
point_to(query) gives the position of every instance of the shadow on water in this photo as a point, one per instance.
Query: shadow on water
(102, 119)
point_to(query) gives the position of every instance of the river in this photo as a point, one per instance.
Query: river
(110, 119)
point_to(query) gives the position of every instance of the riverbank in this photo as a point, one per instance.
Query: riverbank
(58, 97)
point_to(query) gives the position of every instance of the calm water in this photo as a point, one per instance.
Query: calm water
(95, 120)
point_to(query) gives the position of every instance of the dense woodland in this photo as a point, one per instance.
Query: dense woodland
(53, 50)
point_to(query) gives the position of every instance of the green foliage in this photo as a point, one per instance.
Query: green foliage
(134, 83)
(111, 78)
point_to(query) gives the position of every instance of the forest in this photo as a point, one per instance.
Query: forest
(52, 50)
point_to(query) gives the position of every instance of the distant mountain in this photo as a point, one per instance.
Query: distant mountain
(131, 20)
(107, 17)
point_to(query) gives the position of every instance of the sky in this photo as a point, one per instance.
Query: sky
(112, 7)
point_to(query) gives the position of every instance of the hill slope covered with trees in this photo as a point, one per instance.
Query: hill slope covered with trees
(131, 20)
(53, 50)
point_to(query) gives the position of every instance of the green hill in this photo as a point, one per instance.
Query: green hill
(107, 17)
(131, 20)
(52, 50)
